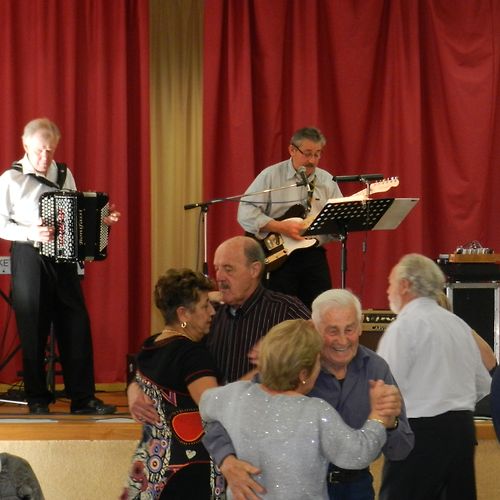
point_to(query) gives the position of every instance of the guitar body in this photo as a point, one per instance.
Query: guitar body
(277, 247)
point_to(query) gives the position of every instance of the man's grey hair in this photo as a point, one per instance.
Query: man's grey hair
(311, 133)
(337, 298)
(37, 124)
(253, 251)
(424, 276)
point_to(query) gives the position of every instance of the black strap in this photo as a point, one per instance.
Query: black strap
(62, 171)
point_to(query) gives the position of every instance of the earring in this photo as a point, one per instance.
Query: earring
(304, 382)
(183, 325)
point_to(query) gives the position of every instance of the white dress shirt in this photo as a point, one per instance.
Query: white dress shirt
(19, 195)
(434, 359)
(255, 212)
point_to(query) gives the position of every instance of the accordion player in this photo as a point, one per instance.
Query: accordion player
(80, 233)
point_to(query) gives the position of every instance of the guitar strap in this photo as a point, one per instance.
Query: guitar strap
(62, 170)
(310, 192)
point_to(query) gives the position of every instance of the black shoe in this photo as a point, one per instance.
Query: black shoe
(94, 407)
(39, 409)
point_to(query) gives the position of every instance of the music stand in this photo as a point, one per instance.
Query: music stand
(11, 355)
(342, 217)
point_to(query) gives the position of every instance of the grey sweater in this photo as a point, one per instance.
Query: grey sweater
(290, 438)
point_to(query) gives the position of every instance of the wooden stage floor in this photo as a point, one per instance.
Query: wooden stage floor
(98, 449)
(17, 424)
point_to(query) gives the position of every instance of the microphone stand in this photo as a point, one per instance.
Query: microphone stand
(16, 349)
(203, 205)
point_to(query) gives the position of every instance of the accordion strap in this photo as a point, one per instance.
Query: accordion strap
(62, 170)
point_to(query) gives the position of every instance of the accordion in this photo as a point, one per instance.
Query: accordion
(80, 233)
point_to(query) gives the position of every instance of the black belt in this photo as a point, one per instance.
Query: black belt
(29, 243)
(338, 475)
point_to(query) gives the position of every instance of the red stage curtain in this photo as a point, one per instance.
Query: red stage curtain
(84, 64)
(405, 88)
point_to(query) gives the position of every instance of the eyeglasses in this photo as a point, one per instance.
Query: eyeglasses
(307, 155)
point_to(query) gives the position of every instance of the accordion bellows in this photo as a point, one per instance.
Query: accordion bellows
(80, 233)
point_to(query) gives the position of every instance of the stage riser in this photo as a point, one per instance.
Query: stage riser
(83, 470)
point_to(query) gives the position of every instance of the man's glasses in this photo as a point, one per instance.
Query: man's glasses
(307, 155)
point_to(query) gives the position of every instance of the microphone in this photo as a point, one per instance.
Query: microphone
(304, 182)
(190, 206)
(356, 178)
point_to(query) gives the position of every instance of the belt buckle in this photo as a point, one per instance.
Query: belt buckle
(334, 477)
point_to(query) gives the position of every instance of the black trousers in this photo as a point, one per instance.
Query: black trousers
(440, 466)
(46, 293)
(190, 483)
(305, 274)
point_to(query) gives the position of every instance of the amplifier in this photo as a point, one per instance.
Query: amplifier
(470, 267)
(375, 321)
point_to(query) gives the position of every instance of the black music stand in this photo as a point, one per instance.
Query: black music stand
(342, 217)
(51, 358)
(18, 347)
(10, 356)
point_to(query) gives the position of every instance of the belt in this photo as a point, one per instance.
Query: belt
(28, 243)
(338, 475)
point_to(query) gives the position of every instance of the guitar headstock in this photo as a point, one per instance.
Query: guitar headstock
(375, 187)
(384, 185)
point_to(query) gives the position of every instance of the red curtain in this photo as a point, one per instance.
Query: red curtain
(84, 64)
(405, 88)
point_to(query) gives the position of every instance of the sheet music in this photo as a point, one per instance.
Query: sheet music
(375, 214)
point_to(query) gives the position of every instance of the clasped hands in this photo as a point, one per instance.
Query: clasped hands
(385, 402)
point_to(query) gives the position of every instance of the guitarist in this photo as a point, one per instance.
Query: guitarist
(303, 272)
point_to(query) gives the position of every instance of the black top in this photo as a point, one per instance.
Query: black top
(175, 362)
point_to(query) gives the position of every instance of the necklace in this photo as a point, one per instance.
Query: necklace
(171, 333)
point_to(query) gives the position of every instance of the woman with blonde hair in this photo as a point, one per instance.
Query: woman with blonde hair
(290, 437)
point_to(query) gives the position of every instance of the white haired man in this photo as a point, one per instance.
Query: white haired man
(438, 367)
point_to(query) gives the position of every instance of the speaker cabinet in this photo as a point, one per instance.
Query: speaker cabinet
(478, 305)
(375, 321)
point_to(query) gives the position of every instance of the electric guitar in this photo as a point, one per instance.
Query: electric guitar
(277, 247)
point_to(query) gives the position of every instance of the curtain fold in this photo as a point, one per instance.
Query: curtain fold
(176, 135)
(405, 88)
